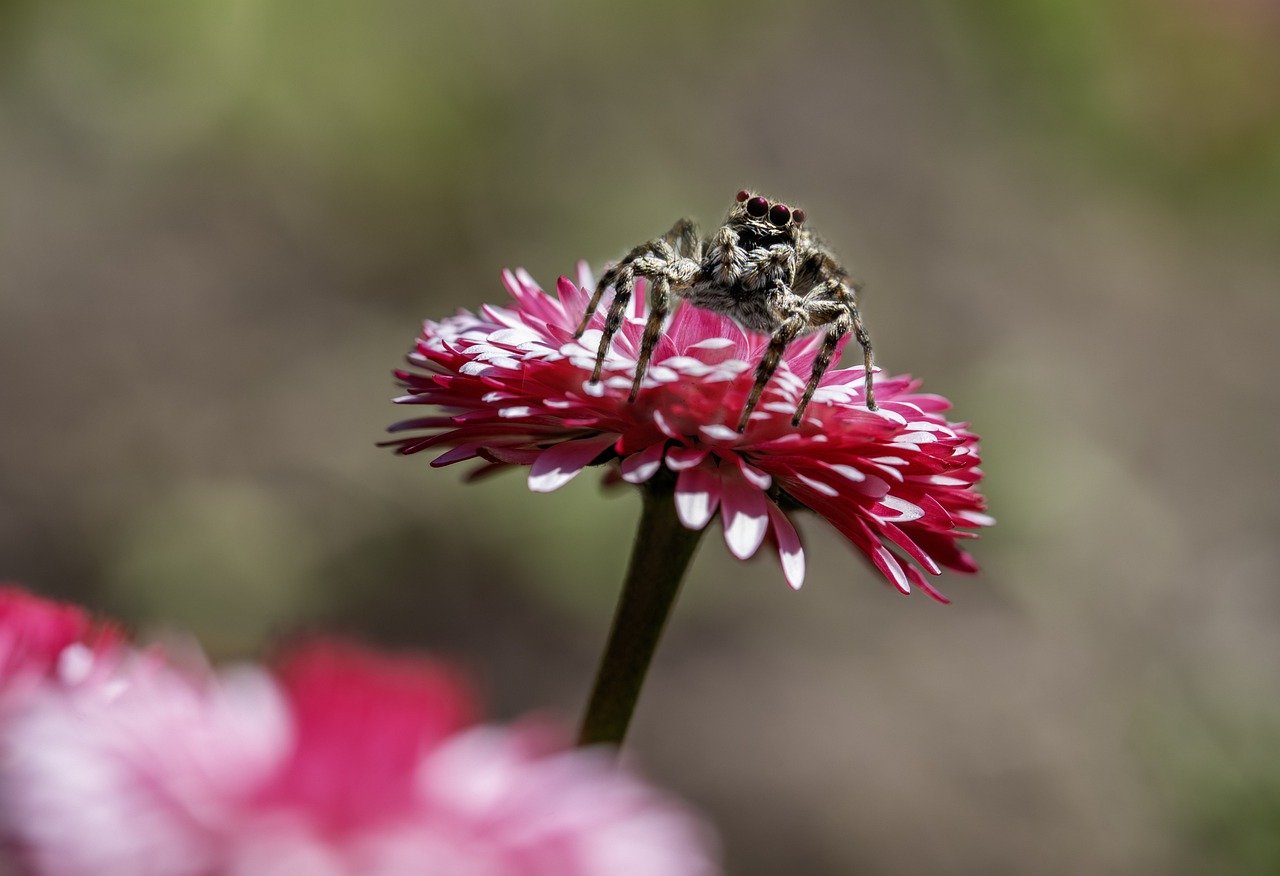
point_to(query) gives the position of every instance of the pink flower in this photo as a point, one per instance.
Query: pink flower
(337, 693)
(146, 772)
(42, 640)
(424, 792)
(339, 761)
(513, 383)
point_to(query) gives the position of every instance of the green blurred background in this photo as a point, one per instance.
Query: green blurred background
(221, 223)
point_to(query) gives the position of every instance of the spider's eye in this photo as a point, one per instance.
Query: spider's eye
(780, 214)
(798, 216)
(743, 195)
(757, 207)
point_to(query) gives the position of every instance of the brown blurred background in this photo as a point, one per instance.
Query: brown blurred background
(221, 222)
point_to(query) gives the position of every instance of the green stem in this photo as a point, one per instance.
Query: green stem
(659, 559)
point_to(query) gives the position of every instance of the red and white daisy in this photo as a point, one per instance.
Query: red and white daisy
(513, 386)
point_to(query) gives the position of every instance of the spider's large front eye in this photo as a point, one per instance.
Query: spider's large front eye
(780, 215)
(757, 207)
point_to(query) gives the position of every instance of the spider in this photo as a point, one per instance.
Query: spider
(762, 268)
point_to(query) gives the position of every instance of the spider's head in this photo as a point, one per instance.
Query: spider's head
(771, 221)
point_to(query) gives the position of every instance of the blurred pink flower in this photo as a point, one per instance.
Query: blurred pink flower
(42, 640)
(143, 772)
(337, 693)
(338, 761)
(425, 793)
(899, 482)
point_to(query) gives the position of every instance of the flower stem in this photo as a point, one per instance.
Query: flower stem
(659, 559)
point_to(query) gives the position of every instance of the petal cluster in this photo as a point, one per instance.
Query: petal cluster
(44, 641)
(332, 760)
(511, 386)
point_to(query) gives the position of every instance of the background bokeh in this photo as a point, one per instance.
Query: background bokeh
(221, 222)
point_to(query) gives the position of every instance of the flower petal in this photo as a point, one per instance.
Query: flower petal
(920, 581)
(743, 510)
(697, 495)
(719, 432)
(661, 422)
(681, 458)
(975, 518)
(790, 550)
(558, 465)
(458, 454)
(887, 563)
(757, 478)
(903, 511)
(913, 550)
(639, 467)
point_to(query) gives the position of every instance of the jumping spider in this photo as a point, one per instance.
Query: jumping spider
(762, 268)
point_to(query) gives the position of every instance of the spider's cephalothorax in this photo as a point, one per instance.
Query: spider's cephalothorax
(762, 268)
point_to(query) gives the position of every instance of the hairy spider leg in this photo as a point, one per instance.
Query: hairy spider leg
(680, 271)
(610, 278)
(864, 340)
(847, 295)
(826, 353)
(659, 308)
(685, 238)
(831, 283)
(655, 269)
(787, 332)
(841, 314)
(679, 235)
(667, 281)
(622, 288)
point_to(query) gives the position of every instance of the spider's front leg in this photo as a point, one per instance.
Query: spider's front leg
(683, 237)
(669, 259)
(611, 278)
(666, 280)
(623, 284)
(665, 273)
